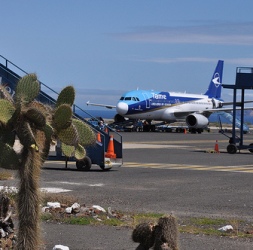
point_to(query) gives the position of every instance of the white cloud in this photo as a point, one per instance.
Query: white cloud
(226, 33)
(234, 61)
(175, 60)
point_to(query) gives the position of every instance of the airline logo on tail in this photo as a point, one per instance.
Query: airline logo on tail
(216, 80)
(214, 88)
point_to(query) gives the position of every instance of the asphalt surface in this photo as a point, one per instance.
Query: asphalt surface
(162, 173)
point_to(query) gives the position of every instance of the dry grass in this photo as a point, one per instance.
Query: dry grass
(67, 200)
(5, 175)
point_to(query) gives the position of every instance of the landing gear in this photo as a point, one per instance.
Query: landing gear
(195, 130)
(231, 149)
(251, 149)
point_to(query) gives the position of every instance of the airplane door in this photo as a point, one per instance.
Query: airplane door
(147, 100)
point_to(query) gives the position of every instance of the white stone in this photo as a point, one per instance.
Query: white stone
(68, 210)
(60, 247)
(53, 204)
(75, 206)
(99, 208)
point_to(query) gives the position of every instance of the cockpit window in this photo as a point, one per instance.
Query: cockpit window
(136, 99)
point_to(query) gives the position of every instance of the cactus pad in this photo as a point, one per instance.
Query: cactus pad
(27, 89)
(62, 117)
(9, 158)
(36, 117)
(7, 111)
(86, 135)
(66, 96)
(4, 94)
(67, 150)
(69, 136)
(80, 152)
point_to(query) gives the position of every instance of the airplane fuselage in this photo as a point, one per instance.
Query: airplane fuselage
(163, 106)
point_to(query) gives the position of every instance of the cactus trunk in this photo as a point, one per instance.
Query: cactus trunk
(29, 201)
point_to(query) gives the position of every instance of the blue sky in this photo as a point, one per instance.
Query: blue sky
(106, 47)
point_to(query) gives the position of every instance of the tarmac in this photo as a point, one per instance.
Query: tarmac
(161, 172)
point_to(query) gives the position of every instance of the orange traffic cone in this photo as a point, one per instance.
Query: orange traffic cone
(106, 130)
(216, 147)
(185, 132)
(110, 150)
(98, 137)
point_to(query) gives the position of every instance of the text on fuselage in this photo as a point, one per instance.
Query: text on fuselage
(159, 96)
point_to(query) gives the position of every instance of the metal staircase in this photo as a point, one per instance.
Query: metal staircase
(9, 76)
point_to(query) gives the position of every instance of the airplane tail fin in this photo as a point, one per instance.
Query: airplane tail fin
(214, 89)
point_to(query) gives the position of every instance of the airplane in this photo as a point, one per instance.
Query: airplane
(170, 107)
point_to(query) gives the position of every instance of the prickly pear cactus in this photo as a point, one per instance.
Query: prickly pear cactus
(143, 234)
(34, 125)
(166, 232)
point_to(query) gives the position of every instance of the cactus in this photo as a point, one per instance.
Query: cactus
(166, 232)
(143, 234)
(35, 125)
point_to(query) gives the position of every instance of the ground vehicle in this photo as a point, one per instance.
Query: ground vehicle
(95, 154)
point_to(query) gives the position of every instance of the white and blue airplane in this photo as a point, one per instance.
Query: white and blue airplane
(169, 107)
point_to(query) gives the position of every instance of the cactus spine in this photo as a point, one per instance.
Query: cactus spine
(35, 124)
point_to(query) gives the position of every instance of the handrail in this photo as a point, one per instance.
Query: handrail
(75, 107)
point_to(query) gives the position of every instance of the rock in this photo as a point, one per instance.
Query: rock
(227, 228)
(60, 247)
(99, 208)
(53, 204)
(75, 208)
(45, 209)
(68, 210)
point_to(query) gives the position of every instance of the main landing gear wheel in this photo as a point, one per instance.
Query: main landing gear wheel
(84, 164)
(231, 148)
(251, 149)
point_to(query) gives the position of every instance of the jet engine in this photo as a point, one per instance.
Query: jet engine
(196, 121)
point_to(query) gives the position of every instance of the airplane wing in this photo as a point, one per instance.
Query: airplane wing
(237, 103)
(101, 105)
(207, 112)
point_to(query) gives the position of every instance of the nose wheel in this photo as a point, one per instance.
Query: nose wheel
(231, 149)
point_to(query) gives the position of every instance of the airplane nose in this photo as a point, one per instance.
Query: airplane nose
(122, 108)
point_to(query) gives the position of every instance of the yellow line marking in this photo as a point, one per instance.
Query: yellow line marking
(60, 162)
(243, 168)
